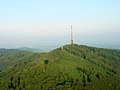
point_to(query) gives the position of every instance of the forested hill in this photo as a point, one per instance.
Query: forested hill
(71, 67)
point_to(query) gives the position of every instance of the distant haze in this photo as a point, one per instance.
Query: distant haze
(39, 23)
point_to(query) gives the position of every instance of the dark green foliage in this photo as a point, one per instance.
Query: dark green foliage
(98, 76)
(84, 81)
(46, 61)
(75, 67)
(78, 69)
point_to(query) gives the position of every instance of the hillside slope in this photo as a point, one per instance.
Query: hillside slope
(74, 67)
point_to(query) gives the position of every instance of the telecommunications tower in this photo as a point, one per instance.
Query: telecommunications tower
(71, 35)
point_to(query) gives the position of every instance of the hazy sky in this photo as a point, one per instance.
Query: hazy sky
(47, 22)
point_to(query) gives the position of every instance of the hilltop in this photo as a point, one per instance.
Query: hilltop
(73, 67)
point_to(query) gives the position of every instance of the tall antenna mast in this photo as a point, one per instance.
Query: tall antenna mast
(71, 35)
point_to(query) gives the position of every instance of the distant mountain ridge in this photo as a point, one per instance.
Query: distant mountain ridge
(30, 49)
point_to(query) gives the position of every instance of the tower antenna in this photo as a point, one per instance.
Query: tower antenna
(71, 35)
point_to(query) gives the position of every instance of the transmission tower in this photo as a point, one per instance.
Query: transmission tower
(71, 35)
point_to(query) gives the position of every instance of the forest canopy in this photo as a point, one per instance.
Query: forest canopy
(75, 67)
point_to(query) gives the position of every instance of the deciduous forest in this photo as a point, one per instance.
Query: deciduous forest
(73, 67)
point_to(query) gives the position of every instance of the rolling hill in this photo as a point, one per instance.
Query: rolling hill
(73, 67)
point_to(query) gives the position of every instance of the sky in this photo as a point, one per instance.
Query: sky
(38, 23)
